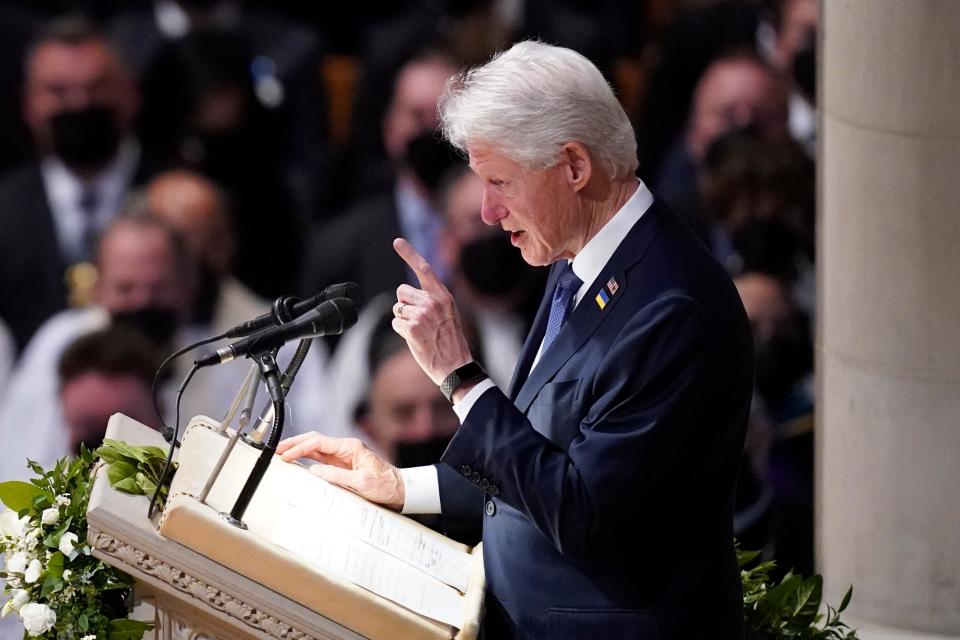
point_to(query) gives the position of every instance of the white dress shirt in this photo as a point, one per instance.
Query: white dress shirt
(421, 487)
(65, 190)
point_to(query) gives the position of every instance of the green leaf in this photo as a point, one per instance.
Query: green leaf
(846, 599)
(807, 606)
(126, 629)
(83, 622)
(128, 485)
(119, 470)
(53, 538)
(18, 495)
(55, 564)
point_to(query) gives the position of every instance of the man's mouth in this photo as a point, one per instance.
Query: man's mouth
(515, 237)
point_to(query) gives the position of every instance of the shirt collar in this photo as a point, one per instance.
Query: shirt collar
(600, 248)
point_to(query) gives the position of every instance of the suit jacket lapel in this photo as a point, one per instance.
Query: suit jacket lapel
(587, 316)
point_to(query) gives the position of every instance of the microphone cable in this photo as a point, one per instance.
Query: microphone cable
(166, 431)
(173, 443)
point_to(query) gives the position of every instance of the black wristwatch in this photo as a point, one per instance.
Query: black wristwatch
(462, 375)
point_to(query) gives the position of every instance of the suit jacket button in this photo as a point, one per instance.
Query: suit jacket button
(494, 490)
(491, 508)
(465, 470)
(475, 476)
(485, 484)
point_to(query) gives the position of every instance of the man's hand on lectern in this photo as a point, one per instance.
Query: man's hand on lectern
(348, 463)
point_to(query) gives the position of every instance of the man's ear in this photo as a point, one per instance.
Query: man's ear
(577, 165)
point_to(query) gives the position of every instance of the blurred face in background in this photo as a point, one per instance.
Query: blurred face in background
(138, 268)
(735, 94)
(78, 101)
(89, 400)
(413, 108)
(408, 418)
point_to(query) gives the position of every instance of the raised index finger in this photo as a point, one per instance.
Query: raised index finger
(424, 272)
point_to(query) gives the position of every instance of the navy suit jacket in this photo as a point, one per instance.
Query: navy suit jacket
(604, 479)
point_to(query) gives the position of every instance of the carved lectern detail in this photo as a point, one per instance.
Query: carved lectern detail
(210, 595)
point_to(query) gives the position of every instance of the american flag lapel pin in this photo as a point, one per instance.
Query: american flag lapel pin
(612, 286)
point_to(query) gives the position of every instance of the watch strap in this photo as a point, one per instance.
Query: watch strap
(460, 376)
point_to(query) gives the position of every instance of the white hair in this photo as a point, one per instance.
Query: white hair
(528, 101)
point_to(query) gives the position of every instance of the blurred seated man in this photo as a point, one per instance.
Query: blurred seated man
(737, 91)
(79, 104)
(405, 417)
(356, 246)
(198, 210)
(144, 281)
(102, 373)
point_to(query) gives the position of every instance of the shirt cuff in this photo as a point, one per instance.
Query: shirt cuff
(462, 408)
(421, 490)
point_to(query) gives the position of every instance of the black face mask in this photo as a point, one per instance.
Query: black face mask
(804, 70)
(492, 265)
(430, 157)
(781, 361)
(422, 453)
(156, 323)
(87, 137)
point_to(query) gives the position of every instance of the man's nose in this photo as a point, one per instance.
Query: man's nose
(491, 211)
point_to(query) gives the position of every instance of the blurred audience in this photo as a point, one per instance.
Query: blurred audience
(775, 497)
(758, 199)
(199, 212)
(357, 246)
(79, 104)
(142, 266)
(102, 373)
(737, 91)
(202, 113)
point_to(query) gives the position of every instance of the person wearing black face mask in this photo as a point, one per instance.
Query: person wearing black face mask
(357, 245)
(79, 105)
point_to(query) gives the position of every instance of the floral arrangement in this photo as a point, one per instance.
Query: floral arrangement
(56, 587)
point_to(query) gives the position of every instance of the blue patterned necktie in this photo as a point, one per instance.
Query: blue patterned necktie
(567, 286)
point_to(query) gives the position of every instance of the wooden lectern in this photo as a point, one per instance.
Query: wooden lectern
(189, 595)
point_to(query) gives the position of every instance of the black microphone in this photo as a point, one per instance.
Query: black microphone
(328, 318)
(349, 290)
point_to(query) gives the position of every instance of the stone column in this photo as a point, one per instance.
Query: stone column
(888, 346)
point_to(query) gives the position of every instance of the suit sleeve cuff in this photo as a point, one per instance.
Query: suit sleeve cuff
(421, 490)
(462, 408)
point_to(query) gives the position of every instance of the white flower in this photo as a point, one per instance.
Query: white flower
(32, 537)
(18, 598)
(68, 543)
(37, 618)
(17, 563)
(50, 516)
(63, 500)
(66, 574)
(89, 637)
(11, 526)
(32, 574)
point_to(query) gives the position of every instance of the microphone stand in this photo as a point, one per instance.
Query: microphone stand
(255, 438)
(267, 363)
(251, 383)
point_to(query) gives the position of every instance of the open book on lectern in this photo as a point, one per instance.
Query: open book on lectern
(315, 542)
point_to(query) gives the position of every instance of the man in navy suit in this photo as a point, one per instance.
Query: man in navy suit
(603, 477)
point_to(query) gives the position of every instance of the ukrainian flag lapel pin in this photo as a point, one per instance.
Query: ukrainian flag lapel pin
(603, 297)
